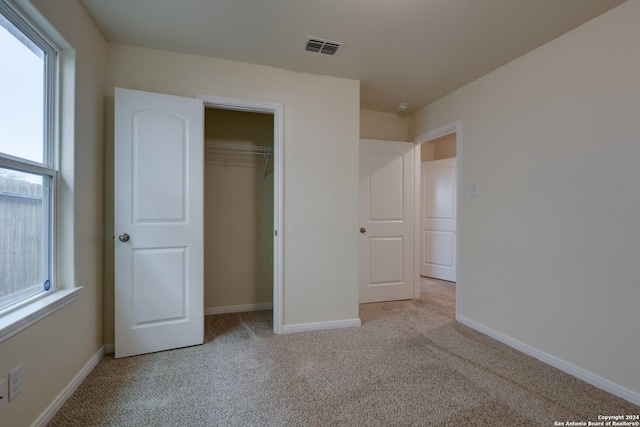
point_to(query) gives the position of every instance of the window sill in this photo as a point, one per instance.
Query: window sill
(18, 320)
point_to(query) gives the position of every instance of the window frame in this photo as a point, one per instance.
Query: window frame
(49, 165)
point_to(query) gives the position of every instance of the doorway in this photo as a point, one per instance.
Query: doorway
(438, 208)
(158, 218)
(436, 201)
(238, 211)
(276, 112)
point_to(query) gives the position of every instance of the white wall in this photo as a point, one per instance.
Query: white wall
(321, 134)
(53, 351)
(549, 250)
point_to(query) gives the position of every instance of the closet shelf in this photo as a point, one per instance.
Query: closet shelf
(236, 148)
(242, 149)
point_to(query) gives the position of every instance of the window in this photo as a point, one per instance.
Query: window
(27, 160)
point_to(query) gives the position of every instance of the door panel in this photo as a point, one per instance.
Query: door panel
(388, 252)
(159, 193)
(386, 213)
(159, 286)
(385, 188)
(439, 246)
(439, 202)
(438, 220)
(159, 301)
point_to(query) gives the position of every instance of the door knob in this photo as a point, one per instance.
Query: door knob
(363, 230)
(124, 237)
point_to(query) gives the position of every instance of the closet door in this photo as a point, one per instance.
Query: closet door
(158, 216)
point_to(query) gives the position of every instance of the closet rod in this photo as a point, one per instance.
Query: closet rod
(243, 149)
(236, 148)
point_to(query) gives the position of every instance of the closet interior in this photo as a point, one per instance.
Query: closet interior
(238, 211)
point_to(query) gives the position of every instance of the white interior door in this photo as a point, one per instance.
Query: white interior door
(386, 218)
(158, 222)
(438, 222)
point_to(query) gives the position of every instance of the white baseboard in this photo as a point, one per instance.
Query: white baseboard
(109, 348)
(238, 308)
(65, 394)
(570, 369)
(304, 327)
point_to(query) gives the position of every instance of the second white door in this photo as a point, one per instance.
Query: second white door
(438, 219)
(386, 220)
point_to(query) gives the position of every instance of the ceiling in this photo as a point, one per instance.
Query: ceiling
(413, 51)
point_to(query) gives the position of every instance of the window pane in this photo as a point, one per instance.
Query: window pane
(23, 220)
(22, 92)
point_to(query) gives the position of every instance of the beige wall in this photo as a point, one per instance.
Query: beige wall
(320, 167)
(427, 151)
(238, 229)
(438, 149)
(54, 350)
(385, 126)
(549, 249)
(445, 147)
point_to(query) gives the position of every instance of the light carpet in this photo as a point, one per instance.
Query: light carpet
(409, 364)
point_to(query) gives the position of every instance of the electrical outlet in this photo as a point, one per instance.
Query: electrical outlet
(2, 394)
(15, 382)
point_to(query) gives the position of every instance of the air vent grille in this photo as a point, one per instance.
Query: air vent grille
(326, 47)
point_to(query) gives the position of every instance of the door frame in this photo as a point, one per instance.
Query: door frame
(455, 127)
(276, 110)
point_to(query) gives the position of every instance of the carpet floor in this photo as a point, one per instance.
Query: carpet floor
(409, 364)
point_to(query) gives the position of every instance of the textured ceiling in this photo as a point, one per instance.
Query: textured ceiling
(413, 51)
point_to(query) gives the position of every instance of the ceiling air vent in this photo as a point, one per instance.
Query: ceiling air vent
(318, 45)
